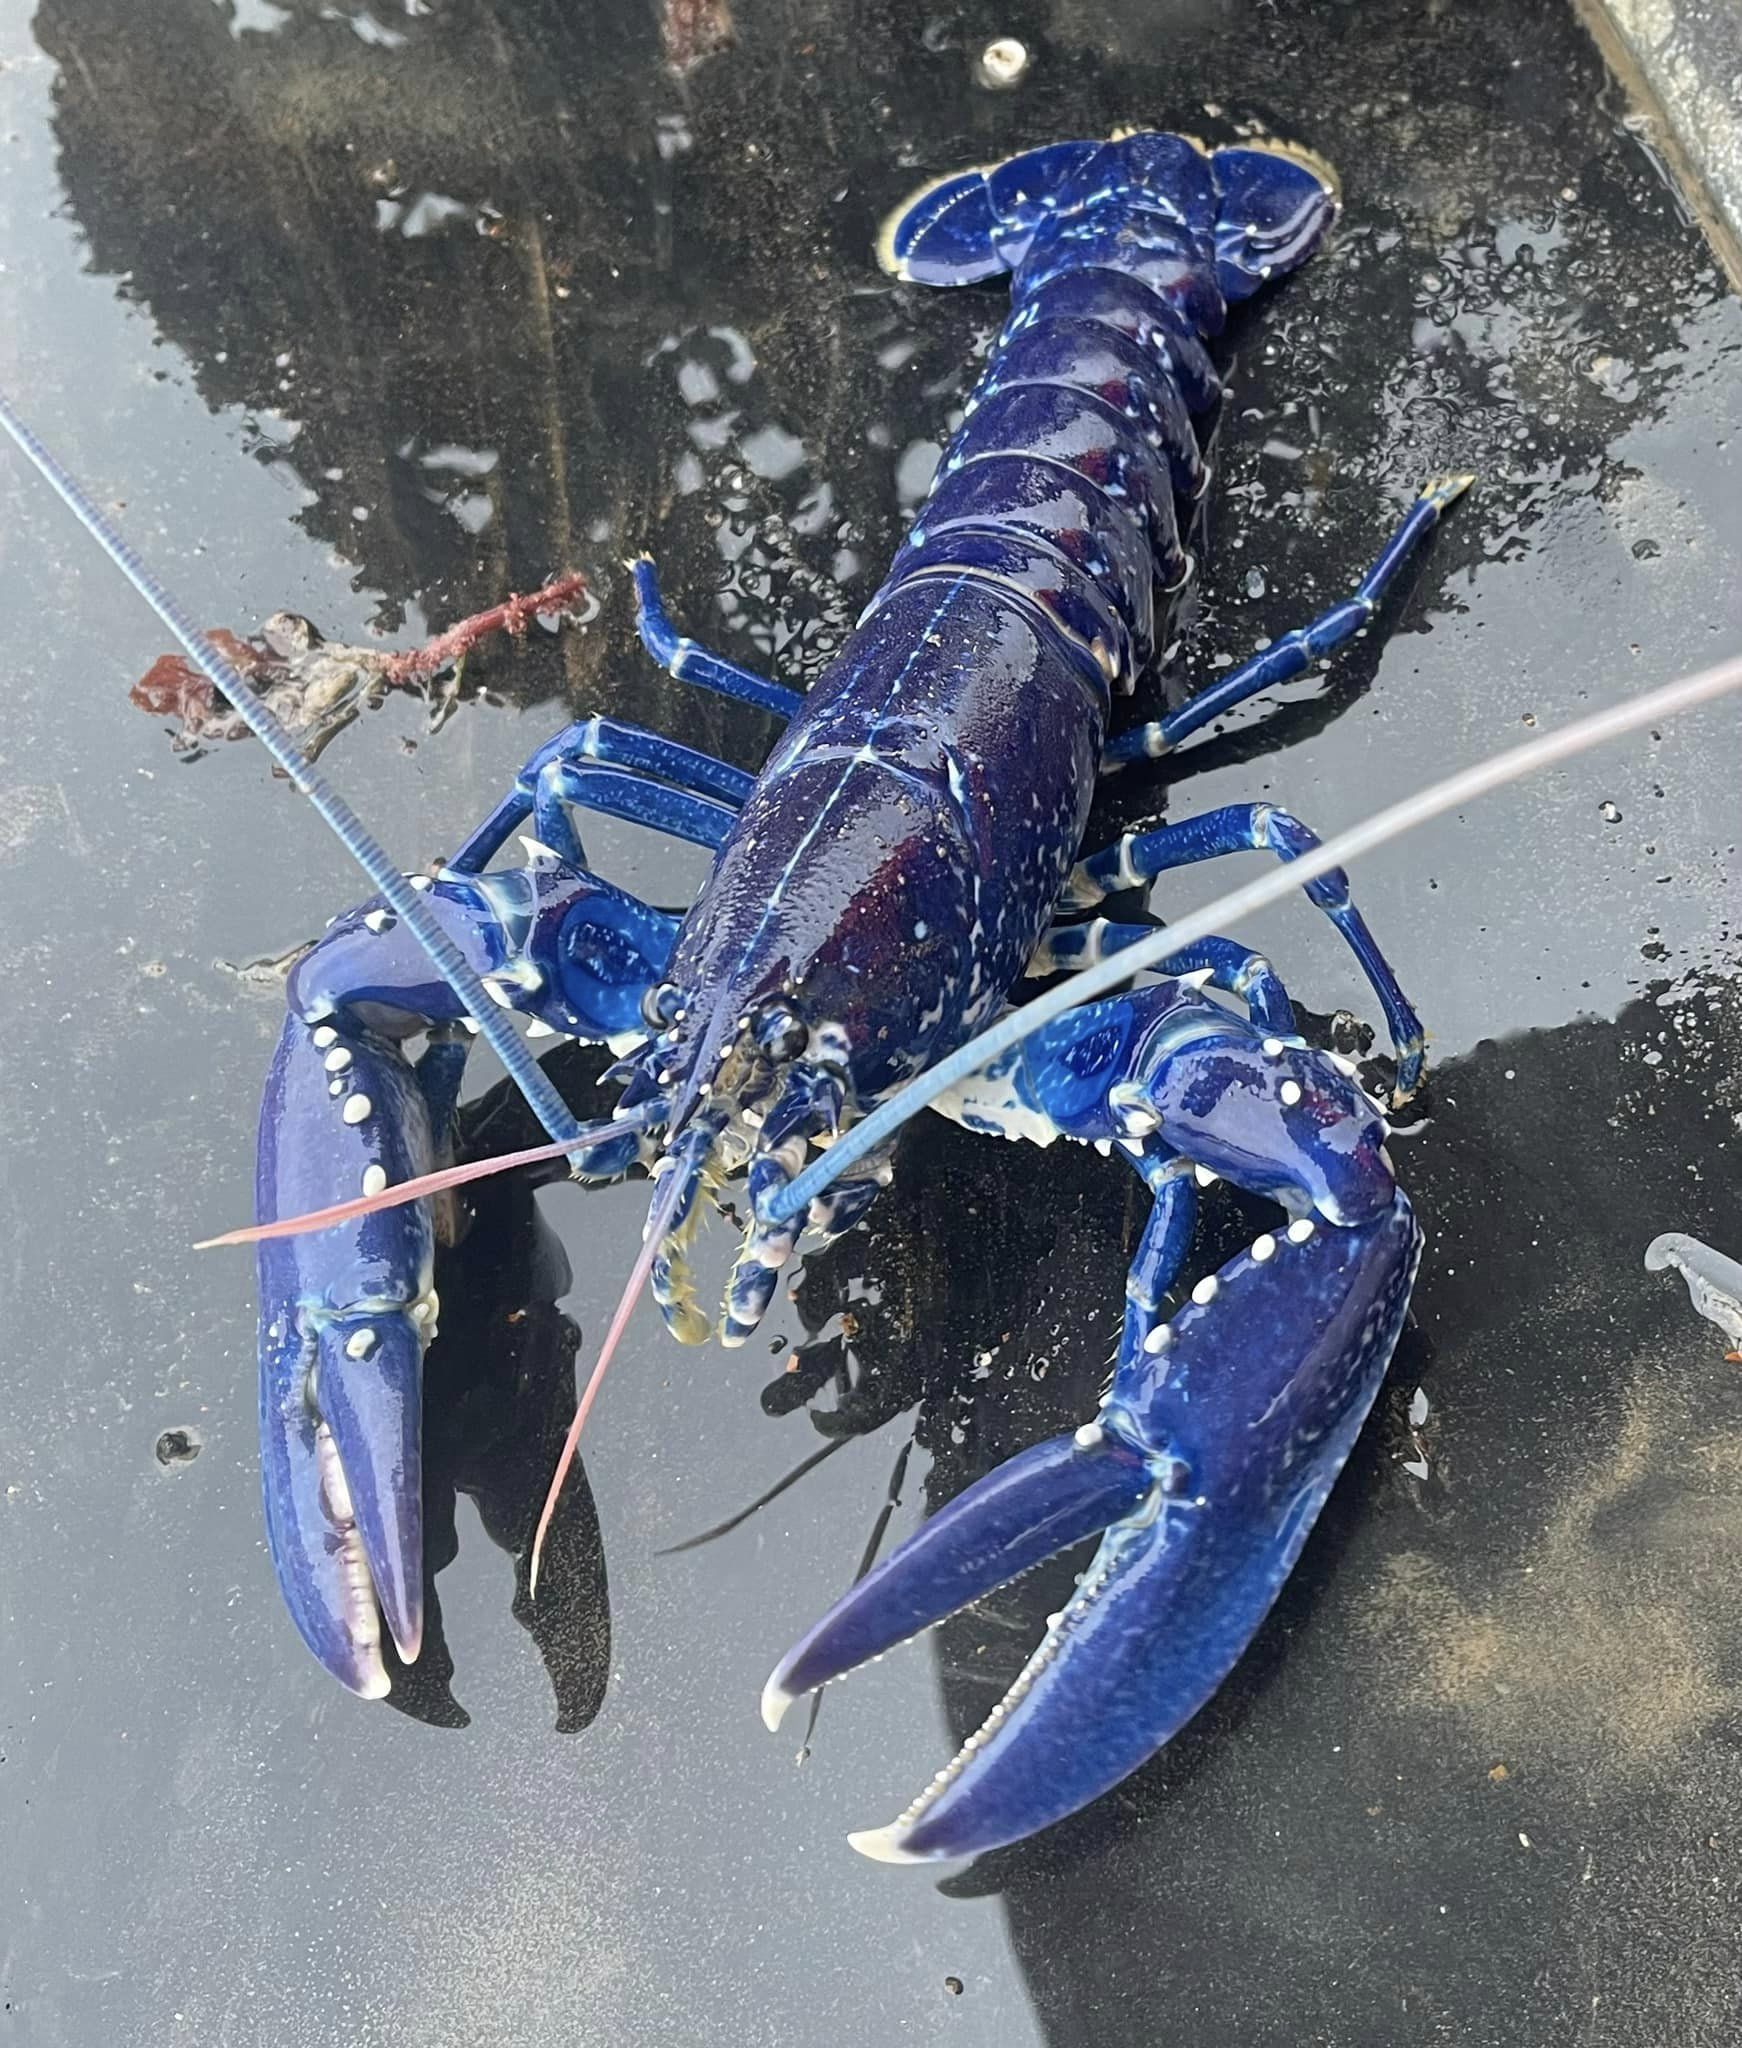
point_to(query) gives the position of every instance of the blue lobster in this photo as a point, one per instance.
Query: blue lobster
(910, 852)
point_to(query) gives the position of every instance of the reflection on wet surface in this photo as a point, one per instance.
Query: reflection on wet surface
(374, 314)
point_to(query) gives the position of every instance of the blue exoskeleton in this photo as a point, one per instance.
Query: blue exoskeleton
(911, 850)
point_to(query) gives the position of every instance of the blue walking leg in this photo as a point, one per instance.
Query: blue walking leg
(1257, 828)
(1233, 968)
(619, 793)
(1295, 652)
(679, 656)
(610, 744)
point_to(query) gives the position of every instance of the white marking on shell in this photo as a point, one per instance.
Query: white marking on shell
(359, 1344)
(420, 881)
(1273, 1046)
(378, 920)
(1089, 1436)
(1290, 1092)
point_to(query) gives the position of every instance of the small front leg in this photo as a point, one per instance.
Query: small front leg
(1139, 857)
(1295, 652)
(679, 656)
(1234, 969)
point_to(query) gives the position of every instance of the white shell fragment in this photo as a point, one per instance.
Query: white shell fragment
(1002, 63)
(1714, 1281)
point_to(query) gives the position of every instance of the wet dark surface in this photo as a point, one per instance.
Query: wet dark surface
(372, 316)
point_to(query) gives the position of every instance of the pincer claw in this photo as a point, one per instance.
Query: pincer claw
(345, 1316)
(1205, 1470)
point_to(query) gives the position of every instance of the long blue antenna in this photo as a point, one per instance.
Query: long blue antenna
(546, 1104)
(1648, 708)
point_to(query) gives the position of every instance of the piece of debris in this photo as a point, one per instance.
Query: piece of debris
(1714, 1282)
(316, 687)
(1002, 63)
(691, 31)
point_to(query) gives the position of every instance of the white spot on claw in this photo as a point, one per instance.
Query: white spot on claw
(374, 1179)
(1158, 1339)
(324, 1035)
(378, 920)
(356, 1109)
(1089, 1436)
(337, 1060)
(1263, 1247)
(1300, 1230)
(1205, 1290)
(359, 1344)
(1273, 1046)
(1204, 1177)
(1290, 1092)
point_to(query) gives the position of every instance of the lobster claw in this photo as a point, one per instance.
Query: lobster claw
(1207, 1468)
(345, 1315)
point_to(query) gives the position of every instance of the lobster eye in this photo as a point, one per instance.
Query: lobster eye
(660, 1005)
(780, 1031)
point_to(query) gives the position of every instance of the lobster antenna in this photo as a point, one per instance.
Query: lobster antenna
(1511, 764)
(432, 1183)
(546, 1104)
(679, 1182)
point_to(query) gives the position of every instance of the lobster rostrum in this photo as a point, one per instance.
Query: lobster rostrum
(909, 853)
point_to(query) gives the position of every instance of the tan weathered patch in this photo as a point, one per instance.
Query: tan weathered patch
(1609, 1637)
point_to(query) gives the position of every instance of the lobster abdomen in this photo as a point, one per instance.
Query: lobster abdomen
(907, 841)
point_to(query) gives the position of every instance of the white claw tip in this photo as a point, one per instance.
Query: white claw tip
(775, 1701)
(883, 1845)
(372, 1683)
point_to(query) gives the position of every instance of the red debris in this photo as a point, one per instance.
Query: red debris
(315, 687)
